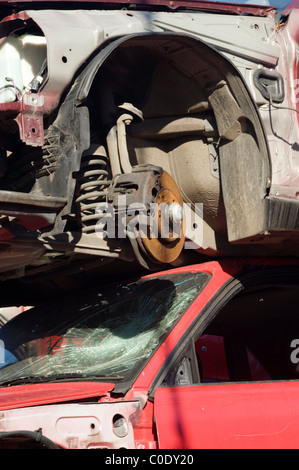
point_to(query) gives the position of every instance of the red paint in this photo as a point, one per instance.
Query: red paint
(223, 415)
(32, 395)
(221, 272)
(230, 416)
(213, 362)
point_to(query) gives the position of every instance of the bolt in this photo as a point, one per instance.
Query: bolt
(176, 212)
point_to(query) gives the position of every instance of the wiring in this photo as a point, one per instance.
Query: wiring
(17, 91)
(275, 105)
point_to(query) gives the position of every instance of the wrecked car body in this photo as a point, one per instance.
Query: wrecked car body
(180, 103)
(201, 356)
(142, 137)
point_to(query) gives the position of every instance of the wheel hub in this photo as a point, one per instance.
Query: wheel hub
(165, 243)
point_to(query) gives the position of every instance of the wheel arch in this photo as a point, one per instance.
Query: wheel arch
(234, 206)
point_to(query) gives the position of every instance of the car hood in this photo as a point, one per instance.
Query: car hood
(40, 394)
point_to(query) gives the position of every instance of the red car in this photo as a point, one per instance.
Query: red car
(204, 356)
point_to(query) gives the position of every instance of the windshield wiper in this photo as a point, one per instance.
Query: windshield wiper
(67, 377)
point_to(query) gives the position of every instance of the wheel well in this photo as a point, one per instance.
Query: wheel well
(199, 123)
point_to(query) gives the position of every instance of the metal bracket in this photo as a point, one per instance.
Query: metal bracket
(30, 120)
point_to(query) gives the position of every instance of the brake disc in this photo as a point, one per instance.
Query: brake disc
(165, 238)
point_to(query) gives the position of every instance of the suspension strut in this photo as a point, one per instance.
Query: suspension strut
(93, 181)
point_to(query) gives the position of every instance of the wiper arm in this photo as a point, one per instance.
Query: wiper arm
(68, 376)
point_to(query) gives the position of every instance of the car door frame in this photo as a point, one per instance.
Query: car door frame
(233, 286)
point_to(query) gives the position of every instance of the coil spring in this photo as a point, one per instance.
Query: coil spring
(93, 180)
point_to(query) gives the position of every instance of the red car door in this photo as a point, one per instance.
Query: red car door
(230, 416)
(245, 349)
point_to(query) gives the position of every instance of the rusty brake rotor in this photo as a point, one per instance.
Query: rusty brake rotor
(165, 238)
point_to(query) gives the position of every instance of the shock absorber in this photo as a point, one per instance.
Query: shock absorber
(93, 181)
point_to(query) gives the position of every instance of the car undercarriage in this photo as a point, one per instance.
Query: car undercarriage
(158, 111)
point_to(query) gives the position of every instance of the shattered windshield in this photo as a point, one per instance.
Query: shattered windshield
(108, 334)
